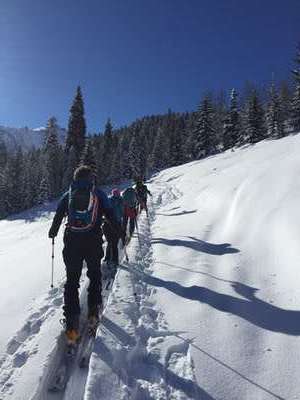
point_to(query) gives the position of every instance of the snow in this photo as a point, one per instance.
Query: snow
(207, 306)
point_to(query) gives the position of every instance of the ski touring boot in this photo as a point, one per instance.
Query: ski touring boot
(94, 315)
(72, 330)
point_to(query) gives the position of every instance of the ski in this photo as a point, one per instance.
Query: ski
(64, 369)
(84, 358)
(78, 354)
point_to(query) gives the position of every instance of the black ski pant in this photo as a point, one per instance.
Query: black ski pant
(81, 247)
(131, 224)
(112, 234)
(143, 204)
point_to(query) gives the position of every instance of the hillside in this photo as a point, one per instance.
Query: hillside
(207, 307)
(25, 137)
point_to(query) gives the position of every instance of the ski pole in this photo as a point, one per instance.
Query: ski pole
(125, 252)
(52, 269)
(138, 234)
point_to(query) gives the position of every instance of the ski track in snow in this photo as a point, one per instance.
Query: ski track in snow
(137, 369)
(25, 344)
(22, 348)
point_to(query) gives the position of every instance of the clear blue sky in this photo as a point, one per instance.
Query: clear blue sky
(135, 57)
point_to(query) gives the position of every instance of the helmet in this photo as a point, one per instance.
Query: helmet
(116, 192)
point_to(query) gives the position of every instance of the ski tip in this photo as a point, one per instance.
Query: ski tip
(56, 388)
(82, 363)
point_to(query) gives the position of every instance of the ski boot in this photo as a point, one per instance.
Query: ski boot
(94, 318)
(72, 330)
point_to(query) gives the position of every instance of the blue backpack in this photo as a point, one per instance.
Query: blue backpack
(83, 207)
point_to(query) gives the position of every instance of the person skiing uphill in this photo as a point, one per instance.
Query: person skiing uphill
(84, 205)
(112, 234)
(142, 195)
(130, 204)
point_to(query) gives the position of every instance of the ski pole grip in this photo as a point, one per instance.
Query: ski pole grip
(52, 266)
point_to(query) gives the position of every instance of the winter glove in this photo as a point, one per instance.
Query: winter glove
(52, 234)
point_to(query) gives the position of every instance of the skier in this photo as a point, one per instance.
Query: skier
(142, 194)
(112, 234)
(84, 205)
(130, 212)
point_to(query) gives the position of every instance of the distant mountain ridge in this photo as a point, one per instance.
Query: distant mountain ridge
(26, 138)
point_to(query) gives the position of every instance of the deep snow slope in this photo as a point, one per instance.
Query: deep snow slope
(208, 306)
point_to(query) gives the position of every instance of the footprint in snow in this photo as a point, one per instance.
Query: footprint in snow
(20, 359)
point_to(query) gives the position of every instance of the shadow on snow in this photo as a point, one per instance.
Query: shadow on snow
(198, 245)
(184, 212)
(252, 309)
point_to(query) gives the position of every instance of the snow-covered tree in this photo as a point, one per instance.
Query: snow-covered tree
(53, 158)
(255, 123)
(70, 166)
(116, 171)
(295, 110)
(88, 155)
(3, 154)
(160, 154)
(44, 188)
(275, 127)
(285, 102)
(15, 182)
(136, 155)
(204, 133)
(232, 126)
(108, 152)
(296, 70)
(76, 126)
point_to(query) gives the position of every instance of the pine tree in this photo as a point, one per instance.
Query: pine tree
(43, 190)
(53, 158)
(176, 144)
(296, 71)
(189, 139)
(3, 154)
(15, 183)
(70, 164)
(124, 144)
(136, 155)
(3, 179)
(32, 177)
(255, 128)
(204, 133)
(89, 156)
(76, 126)
(275, 128)
(220, 115)
(3, 192)
(231, 129)
(295, 110)
(108, 151)
(159, 156)
(285, 102)
(116, 172)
